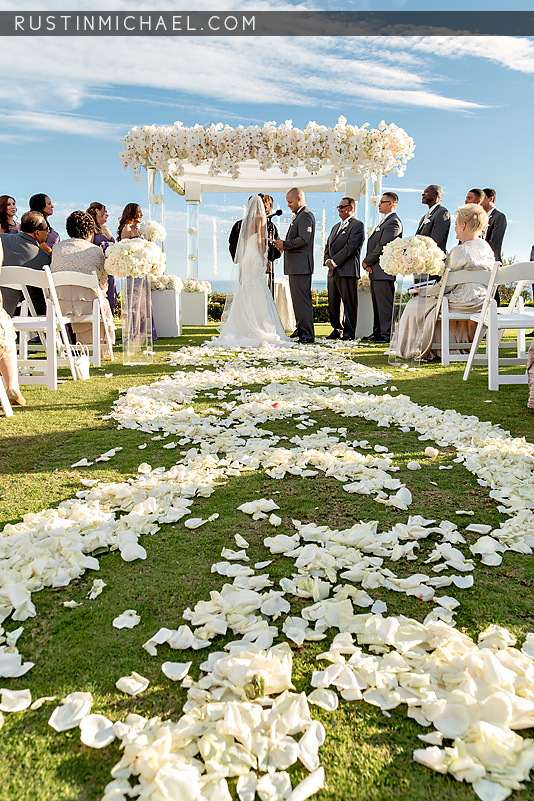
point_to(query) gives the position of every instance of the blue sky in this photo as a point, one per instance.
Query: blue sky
(66, 102)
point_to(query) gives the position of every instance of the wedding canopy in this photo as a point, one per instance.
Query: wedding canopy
(271, 158)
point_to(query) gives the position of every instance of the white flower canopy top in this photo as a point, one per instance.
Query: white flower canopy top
(363, 151)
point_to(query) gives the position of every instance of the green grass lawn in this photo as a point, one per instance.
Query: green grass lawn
(366, 755)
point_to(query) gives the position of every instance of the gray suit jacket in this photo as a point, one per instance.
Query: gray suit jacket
(20, 250)
(437, 227)
(344, 246)
(387, 231)
(298, 244)
(495, 233)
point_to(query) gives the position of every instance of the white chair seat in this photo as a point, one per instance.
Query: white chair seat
(454, 278)
(51, 327)
(71, 278)
(494, 321)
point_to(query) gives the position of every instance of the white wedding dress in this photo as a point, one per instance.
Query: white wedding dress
(252, 320)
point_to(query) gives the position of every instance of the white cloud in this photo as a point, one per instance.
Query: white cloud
(65, 72)
(62, 124)
(512, 52)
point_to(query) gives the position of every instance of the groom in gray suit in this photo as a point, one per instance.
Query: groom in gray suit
(298, 263)
(342, 258)
(382, 284)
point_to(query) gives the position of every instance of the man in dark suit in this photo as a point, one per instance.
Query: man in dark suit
(382, 284)
(342, 258)
(298, 263)
(437, 221)
(22, 250)
(496, 223)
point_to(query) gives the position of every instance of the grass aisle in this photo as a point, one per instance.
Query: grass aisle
(366, 755)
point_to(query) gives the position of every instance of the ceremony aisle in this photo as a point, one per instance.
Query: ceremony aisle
(367, 493)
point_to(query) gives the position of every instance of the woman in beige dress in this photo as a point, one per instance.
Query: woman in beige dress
(473, 253)
(8, 354)
(80, 255)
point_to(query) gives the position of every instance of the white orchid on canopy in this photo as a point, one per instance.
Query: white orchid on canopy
(365, 151)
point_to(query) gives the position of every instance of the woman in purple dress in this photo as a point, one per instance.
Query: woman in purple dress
(103, 237)
(43, 204)
(130, 218)
(8, 211)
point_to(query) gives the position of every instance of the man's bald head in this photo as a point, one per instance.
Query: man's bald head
(295, 199)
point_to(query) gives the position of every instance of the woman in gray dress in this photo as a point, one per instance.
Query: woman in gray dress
(473, 253)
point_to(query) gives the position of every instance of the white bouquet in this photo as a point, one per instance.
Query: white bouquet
(192, 285)
(364, 284)
(152, 231)
(134, 257)
(166, 282)
(413, 255)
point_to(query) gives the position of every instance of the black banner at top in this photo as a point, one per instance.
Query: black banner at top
(267, 23)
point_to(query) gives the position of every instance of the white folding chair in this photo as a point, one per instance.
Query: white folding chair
(52, 326)
(88, 282)
(4, 400)
(446, 316)
(496, 320)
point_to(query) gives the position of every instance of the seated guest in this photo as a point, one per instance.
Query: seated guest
(43, 204)
(23, 250)
(80, 255)
(473, 253)
(8, 210)
(8, 356)
(130, 219)
(103, 237)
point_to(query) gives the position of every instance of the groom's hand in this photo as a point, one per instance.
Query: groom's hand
(279, 244)
(366, 268)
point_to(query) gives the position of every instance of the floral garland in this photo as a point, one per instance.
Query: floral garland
(412, 255)
(366, 151)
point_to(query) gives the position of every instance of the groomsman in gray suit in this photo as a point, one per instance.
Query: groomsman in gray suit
(342, 257)
(496, 223)
(382, 284)
(298, 263)
(437, 221)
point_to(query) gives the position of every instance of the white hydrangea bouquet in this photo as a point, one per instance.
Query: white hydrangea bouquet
(152, 231)
(193, 285)
(166, 282)
(136, 258)
(413, 255)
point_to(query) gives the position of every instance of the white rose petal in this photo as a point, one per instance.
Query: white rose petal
(127, 620)
(72, 710)
(96, 731)
(133, 684)
(15, 700)
(176, 671)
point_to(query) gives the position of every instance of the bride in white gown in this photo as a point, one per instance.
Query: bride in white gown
(250, 318)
